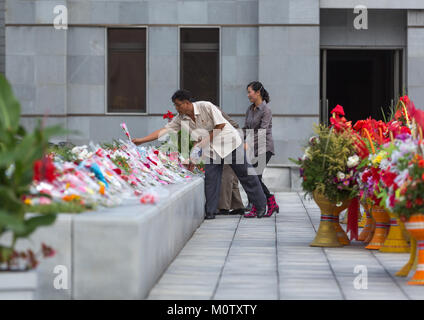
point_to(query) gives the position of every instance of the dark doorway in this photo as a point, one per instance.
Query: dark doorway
(365, 82)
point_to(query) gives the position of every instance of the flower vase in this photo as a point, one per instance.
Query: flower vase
(363, 219)
(369, 226)
(326, 235)
(382, 220)
(341, 234)
(411, 262)
(395, 241)
(415, 226)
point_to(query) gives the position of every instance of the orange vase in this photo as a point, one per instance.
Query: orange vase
(382, 224)
(415, 226)
(369, 224)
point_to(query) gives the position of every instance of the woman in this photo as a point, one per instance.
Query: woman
(259, 116)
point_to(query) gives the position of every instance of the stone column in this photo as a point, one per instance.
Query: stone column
(289, 69)
(415, 62)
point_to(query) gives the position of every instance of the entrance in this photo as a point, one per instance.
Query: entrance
(367, 83)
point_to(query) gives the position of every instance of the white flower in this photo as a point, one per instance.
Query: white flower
(352, 161)
(384, 164)
(340, 175)
(81, 152)
(313, 139)
(402, 176)
(78, 149)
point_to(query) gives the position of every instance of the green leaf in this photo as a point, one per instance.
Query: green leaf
(9, 106)
(33, 223)
(11, 222)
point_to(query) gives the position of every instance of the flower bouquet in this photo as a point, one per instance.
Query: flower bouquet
(328, 169)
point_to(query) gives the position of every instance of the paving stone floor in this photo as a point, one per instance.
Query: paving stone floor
(232, 257)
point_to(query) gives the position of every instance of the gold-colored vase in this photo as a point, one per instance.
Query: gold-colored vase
(415, 226)
(341, 234)
(363, 220)
(367, 232)
(382, 220)
(326, 235)
(404, 271)
(395, 241)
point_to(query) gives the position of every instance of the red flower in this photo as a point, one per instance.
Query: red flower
(366, 175)
(32, 259)
(340, 124)
(47, 251)
(168, 115)
(405, 99)
(44, 169)
(359, 125)
(99, 153)
(118, 171)
(388, 178)
(338, 110)
(404, 130)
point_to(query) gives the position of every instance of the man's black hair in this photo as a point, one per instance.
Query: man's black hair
(182, 95)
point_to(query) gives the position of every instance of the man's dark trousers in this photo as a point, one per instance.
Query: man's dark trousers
(250, 182)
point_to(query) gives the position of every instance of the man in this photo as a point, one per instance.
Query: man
(229, 197)
(230, 201)
(220, 142)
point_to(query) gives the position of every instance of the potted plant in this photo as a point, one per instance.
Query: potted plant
(408, 202)
(19, 151)
(384, 234)
(328, 169)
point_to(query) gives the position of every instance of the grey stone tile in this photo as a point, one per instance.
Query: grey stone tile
(271, 259)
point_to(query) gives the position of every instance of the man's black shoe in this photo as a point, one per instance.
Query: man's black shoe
(237, 211)
(260, 212)
(210, 215)
(223, 212)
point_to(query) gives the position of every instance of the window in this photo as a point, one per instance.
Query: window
(200, 63)
(126, 70)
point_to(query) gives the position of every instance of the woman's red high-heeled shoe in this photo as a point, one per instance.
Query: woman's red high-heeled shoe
(272, 206)
(252, 213)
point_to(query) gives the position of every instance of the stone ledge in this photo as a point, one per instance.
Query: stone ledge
(120, 252)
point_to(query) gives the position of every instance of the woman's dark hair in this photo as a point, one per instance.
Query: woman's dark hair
(182, 95)
(257, 86)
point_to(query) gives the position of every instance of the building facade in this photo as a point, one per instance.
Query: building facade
(122, 60)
